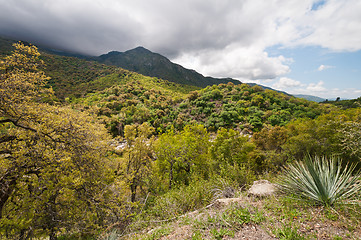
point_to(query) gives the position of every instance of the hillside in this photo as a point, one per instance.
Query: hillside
(138, 60)
(241, 107)
(69, 76)
(345, 104)
(6, 46)
(72, 76)
(250, 217)
(143, 61)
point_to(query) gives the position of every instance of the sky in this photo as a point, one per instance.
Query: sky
(302, 47)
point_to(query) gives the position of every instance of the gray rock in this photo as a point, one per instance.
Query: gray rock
(262, 188)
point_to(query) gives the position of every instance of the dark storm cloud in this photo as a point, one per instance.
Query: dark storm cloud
(69, 25)
(223, 38)
(95, 27)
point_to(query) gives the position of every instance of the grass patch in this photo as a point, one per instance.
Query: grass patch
(288, 233)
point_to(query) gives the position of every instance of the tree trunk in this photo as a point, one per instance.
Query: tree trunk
(6, 188)
(52, 235)
(171, 175)
(52, 217)
(133, 189)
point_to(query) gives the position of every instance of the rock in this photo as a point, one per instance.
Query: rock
(262, 188)
(223, 202)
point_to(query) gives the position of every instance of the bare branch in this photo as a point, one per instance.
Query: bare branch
(4, 139)
(8, 120)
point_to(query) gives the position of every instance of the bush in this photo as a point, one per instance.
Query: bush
(181, 200)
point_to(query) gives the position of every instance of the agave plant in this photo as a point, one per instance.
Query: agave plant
(324, 181)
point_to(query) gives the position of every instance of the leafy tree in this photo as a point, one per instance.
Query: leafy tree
(20, 83)
(229, 152)
(137, 156)
(52, 165)
(183, 155)
(271, 138)
(168, 153)
(270, 141)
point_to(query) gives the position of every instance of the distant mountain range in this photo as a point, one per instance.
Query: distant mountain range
(310, 98)
(143, 61)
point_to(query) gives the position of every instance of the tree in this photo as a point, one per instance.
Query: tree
(20, 84)
(183, 155)
(167, 150)
(52, 158)
(137, 156)
(229, 152)
(270, 141)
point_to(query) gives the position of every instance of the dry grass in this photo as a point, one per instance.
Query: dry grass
(275, 217)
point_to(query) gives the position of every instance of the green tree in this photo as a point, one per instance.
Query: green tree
(229, 152)
(270, 141)
(137, 156)
(183, 155)
(52, 159)
(168, 152)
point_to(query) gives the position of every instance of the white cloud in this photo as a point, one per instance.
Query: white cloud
(324, 67)
(236, 62)
(285, 83)
(336, 26)
(296, 87)
(349, 93)
(316, 87)
(319, 89)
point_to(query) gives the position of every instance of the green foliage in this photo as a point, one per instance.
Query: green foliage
(270, 155)
(159, 233)
(330, 134)
(180, 200)
(137, 154)
(137, 99)
(350, 138)
(336, 133)
(346, 104)
(221, 233)
(230, 154)
(321, 180)
(72, 77)
(183, 156)
(54, 168)
(237, 216)
(288, 233)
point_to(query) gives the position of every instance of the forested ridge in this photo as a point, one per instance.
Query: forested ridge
(90, 151)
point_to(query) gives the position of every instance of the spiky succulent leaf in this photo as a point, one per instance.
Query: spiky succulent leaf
(321, 180)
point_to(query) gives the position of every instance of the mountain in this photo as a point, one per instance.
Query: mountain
(73, 75)
(139, 60)
(310, 98)
(145, 62)
(6, 46)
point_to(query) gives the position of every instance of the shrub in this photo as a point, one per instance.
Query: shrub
(321, 180)
(181, 200)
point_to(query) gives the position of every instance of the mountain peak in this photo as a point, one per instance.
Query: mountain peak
(139, 49)
(146, 62)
